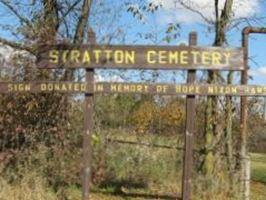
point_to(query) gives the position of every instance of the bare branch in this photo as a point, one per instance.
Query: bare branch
(15, 12)
(217, 10)
(82, 21)
(209, 21)
(70, 8)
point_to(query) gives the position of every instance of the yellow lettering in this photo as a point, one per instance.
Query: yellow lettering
(50, 87)
(227, 56)
(97, 56)
(98, 88)
(75, 55)
(173, 57)
(113, 88)
(205, 57)
(234, 90)
(178, 89)
(130, 57)
(161, 88)
(227, 90)
(27, 87)
(76, 87)
(184, 89)
(184, 57)
(197, 90)
(43, 87)
(108, 54)
(86, 57)
(216, 58)
(54, 56)
(210, 90)
(119, 57)
(64, 56)
(162, 57)
(195, 56)
(191, 89)
(10, 87)
(20, 87)
(83, 87)
(63, 87)
(139, 88)
(150, 55)
(146, 88)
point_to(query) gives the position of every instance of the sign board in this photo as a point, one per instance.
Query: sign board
(140, 57)
(158, 89)
(182, 89)
(39, 87)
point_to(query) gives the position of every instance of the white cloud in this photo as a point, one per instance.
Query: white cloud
(258, 72)
(175, 12)
(262, 71)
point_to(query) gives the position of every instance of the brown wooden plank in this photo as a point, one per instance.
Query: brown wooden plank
(140, 57)
(190, 131)
(135, 88)
(43, 87)
(181, 89)
(88, 128)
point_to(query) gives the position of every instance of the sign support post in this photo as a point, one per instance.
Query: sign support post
(190, 129)
(88, 128)
(189, 58)
(244, 111)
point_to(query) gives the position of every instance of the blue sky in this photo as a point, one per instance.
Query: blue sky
(190, 21)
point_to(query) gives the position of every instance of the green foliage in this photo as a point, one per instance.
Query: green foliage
(144, 117)
(258, 167)
(136, 167)
(112, 111)
(172, 32)
(150, 117)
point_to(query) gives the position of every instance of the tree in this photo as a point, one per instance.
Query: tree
(220, 112)
(29, 121)
(222, 20)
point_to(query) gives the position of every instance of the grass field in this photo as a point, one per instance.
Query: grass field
(34, 188)
(258, 184)
(27, 191)
(258, 164)
(258, 176)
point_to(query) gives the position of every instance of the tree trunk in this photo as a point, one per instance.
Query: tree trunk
(49, 31)
(211, 130)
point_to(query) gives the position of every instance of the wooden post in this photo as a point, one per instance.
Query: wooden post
(247, 178)
(244, 108)
(190, 126)
(244, 115)
(88, 129)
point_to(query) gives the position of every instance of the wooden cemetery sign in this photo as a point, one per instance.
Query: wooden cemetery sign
(181, 89)
(93, 56)
(141, 57)
(42, 87)
(133, 88)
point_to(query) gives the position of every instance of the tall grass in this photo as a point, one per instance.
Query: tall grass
(30, 187)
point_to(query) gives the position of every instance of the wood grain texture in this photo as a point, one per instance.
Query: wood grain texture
(140, 57)
(133, 88)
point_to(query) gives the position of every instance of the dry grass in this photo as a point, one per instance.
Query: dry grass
(31, 187)
(34, 187)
